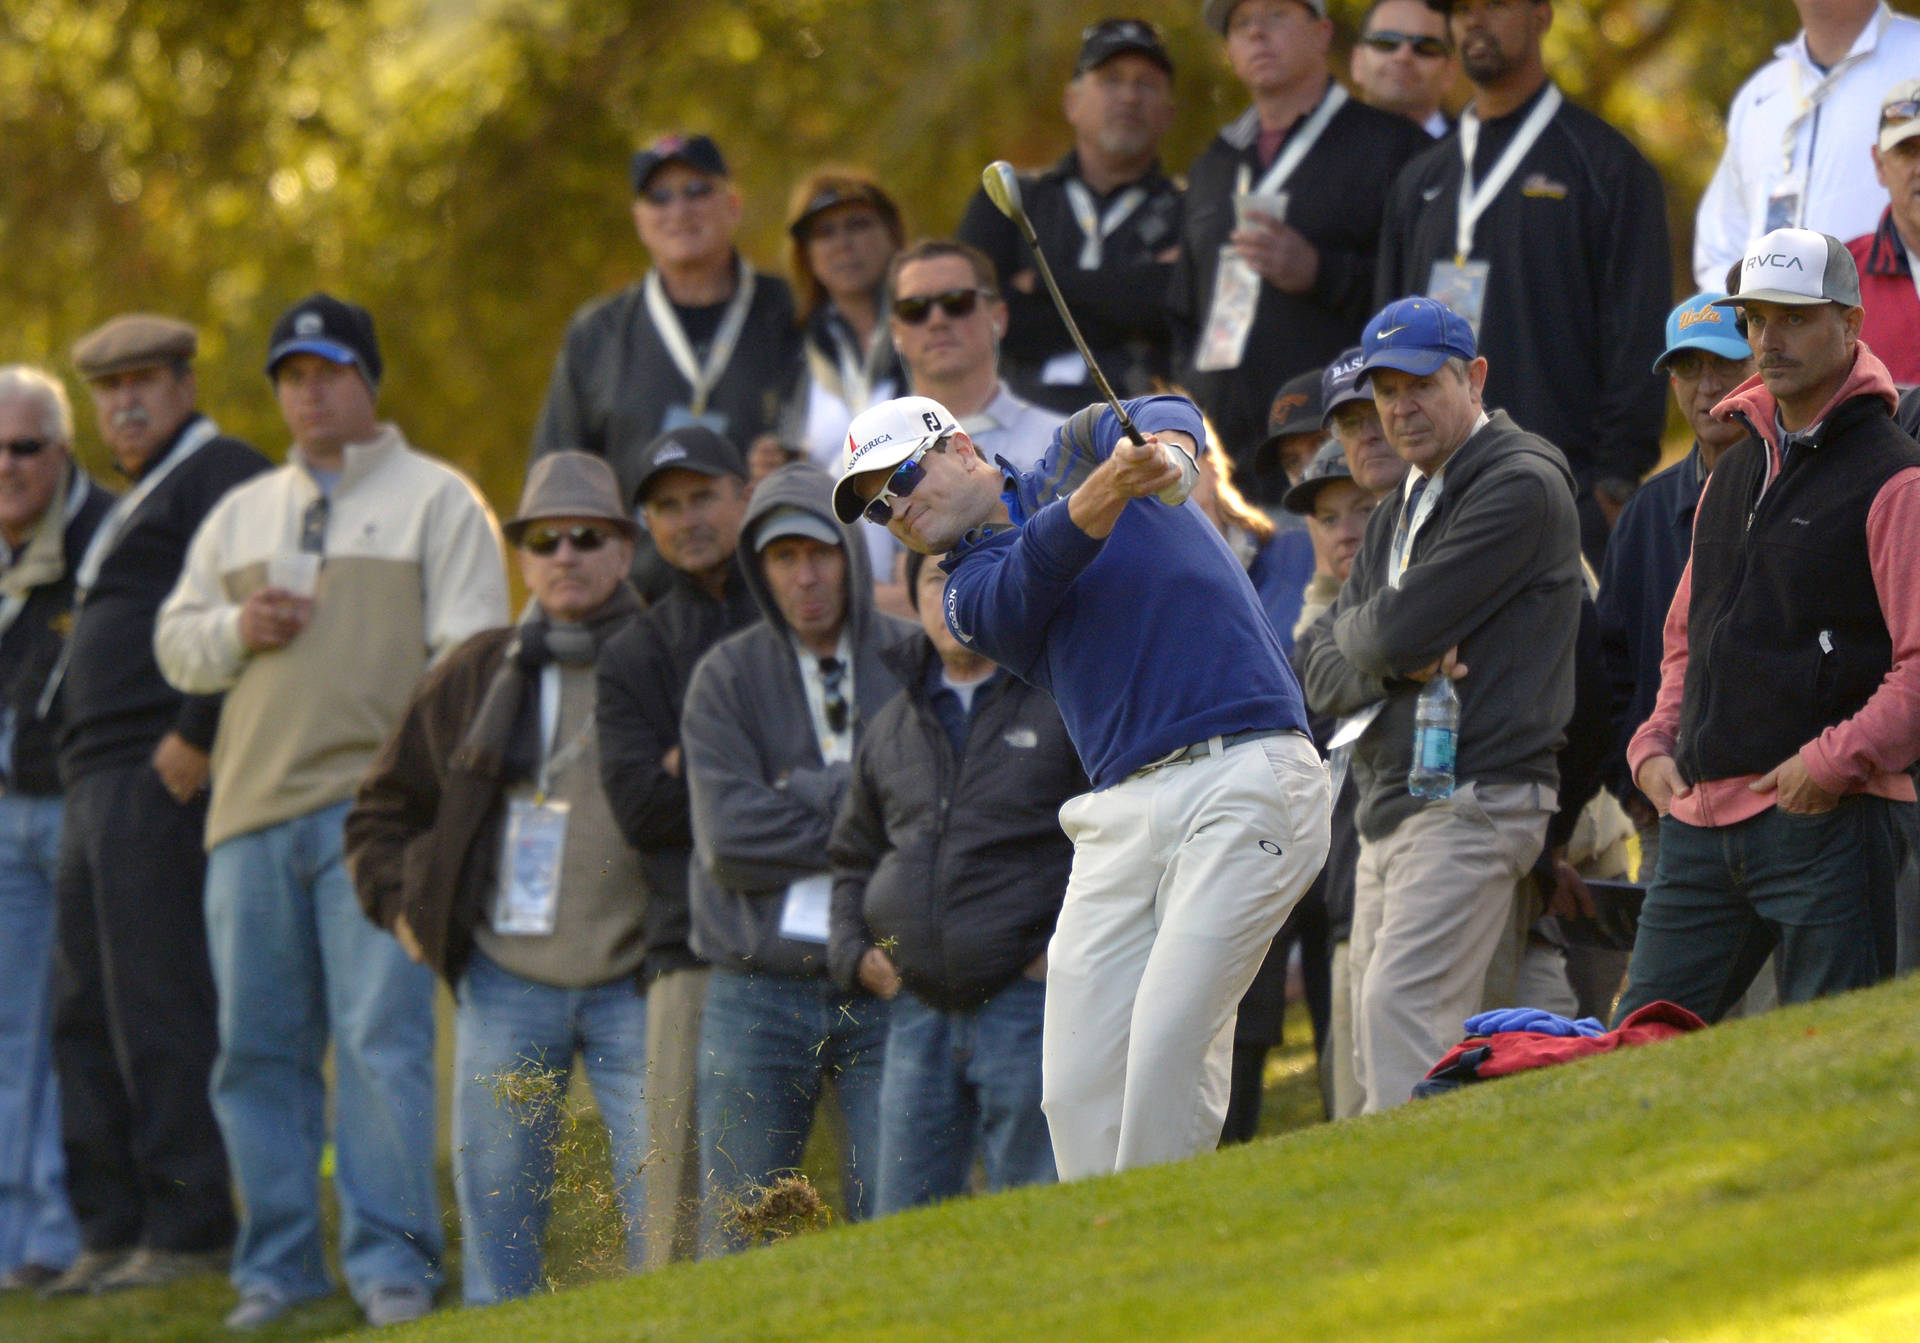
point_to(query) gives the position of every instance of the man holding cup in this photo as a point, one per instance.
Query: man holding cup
(314, 596)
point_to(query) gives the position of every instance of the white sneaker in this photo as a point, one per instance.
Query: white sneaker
(397, 1305)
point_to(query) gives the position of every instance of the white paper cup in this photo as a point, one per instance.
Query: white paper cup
(296, 571)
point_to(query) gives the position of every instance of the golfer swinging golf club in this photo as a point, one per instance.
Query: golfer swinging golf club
(1208, 815)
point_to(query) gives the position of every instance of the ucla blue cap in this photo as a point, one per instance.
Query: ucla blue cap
(1415, 335)
(1698, 325)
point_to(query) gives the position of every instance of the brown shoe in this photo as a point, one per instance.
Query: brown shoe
(161, 1268)
(85, 1271)
(28, 1277)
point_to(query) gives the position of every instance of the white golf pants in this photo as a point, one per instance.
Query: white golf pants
(1181, 877)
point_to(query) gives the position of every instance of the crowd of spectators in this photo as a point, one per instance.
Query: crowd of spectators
(729, 813)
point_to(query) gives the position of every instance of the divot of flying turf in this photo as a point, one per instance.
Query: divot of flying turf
(1757, 1181)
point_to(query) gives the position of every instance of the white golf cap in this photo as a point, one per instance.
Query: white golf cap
(1900, 114)
(1796, 266)
(884, 436)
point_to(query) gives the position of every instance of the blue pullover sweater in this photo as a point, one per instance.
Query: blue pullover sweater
(1148, 641)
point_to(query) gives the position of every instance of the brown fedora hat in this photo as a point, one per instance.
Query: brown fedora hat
(570, 485)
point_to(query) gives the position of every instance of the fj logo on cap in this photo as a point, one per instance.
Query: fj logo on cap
(933, 421)
(307, 324)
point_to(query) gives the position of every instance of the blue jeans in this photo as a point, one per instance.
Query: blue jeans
(1723, 896)
(509, 1032)
(295, 962)
(957, 1083)
(36, 1225)
(766, 1044)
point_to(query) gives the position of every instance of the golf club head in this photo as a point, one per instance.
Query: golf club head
(1003, 188)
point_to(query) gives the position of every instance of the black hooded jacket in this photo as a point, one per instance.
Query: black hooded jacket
(957, 865)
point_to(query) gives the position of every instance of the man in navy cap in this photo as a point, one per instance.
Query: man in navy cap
(703, 338)
(314, 596)
(1108, 219)
(1470, 570)
(1706, 357)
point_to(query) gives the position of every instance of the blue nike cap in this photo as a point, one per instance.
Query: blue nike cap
(1414, 335)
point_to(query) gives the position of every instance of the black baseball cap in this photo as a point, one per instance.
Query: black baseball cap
(691, 447)
(698, 152)
(1295, 410)
(1102, 41)
(331, 328)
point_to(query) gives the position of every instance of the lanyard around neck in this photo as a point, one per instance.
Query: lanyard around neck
(701, 378)
(1474, 199)
(1096, 227)
(1299, 146)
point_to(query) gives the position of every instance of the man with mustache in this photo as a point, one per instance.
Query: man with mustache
(134, 1031)
(1790, 687)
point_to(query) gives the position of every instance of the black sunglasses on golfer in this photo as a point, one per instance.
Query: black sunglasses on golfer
(1386, 41)
(905, 479)
(953, 302)
(546, 540)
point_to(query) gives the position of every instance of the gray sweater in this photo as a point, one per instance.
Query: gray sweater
(763, 800)
(1496, 571)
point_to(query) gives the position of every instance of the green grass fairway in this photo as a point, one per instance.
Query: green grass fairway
(1756, 1182)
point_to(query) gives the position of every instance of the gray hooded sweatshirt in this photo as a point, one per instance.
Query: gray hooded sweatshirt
(763, 799)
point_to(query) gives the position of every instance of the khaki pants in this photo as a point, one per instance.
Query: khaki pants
(1345, 1099)
(674, 1003)
(1181, 878)
(1432, 904)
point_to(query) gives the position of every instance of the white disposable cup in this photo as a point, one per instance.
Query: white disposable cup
(296, 571)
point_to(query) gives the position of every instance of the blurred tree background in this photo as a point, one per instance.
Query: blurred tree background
(459, 166)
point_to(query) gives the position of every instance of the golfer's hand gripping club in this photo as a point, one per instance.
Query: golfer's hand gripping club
(1002, 186)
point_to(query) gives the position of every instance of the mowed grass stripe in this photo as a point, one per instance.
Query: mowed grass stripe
(1758, 1181)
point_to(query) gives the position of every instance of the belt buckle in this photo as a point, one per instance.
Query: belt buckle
(1177, 756)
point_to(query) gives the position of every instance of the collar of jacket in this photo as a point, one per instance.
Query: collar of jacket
(360, 460)
(1153, 179)
(1754, 404)
(1888, 253)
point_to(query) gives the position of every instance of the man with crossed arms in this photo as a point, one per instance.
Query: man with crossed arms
(1209, 811)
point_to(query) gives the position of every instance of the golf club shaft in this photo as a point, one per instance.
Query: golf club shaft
(1073, 327)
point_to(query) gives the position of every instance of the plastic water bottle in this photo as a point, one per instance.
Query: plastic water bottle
(1436, 731)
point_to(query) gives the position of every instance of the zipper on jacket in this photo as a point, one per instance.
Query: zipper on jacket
(1768, 481)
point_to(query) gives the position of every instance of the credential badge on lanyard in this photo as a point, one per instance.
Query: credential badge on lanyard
(1461, 284)
(1236, 285)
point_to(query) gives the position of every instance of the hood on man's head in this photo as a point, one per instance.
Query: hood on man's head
(797, 500)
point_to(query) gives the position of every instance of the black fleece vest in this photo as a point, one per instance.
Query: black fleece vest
(1785, 636)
